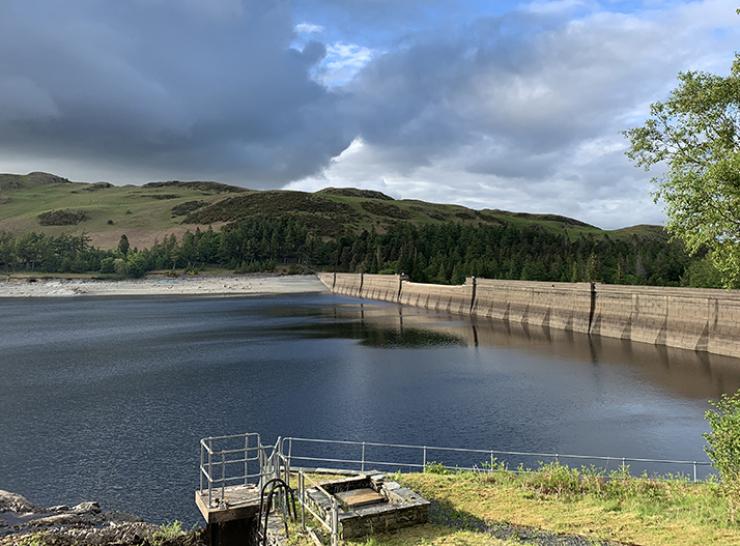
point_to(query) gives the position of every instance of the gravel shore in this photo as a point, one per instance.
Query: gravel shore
(234, 285)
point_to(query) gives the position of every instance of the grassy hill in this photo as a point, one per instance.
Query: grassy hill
(48, 203)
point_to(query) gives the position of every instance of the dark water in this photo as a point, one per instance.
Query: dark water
(106, 398)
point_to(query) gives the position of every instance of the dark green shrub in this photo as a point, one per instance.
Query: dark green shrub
(66, 217)
(107, 265)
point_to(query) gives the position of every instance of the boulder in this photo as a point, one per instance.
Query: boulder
(12, 502)
(89, 507)
(56, 519)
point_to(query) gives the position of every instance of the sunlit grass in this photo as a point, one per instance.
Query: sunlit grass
(497, 506)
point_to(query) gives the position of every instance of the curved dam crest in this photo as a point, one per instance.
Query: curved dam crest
(705, 320)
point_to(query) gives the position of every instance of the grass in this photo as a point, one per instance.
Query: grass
(139, 212)
(147, 213)
(501, 507)
(168, 533)
(498, 507)
(34, 539)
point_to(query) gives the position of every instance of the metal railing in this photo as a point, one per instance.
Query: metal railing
(236, 459)
(242, 460)
(330, 520)
(279, 467)
(362, 456)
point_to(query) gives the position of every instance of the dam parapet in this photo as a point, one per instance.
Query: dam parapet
(563, 306)
(348, 284)
(437, 297)
(382, 287)
(687, 318)
(705, 320)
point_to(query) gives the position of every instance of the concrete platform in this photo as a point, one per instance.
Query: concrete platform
(239, 502)
(359, 497)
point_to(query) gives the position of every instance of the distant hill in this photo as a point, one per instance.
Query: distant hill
(43, 202)
(196, 185)
(30, 180)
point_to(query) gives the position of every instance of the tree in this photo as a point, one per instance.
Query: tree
(136, 265)
(593, 268)
(701, 274)
(123, 245)
(724, 446)
(695, 133)
(107, 265)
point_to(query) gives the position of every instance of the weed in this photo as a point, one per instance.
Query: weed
(34, 539)
(436, 468)
(167, 533)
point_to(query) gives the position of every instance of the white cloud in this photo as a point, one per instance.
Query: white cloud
(576, 189)
(308, 28)
(500, 115)
(342, 63)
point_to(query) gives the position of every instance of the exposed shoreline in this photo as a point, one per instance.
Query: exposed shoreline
(22, 522)
(201, 285)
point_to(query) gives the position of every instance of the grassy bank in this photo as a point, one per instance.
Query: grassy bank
(553, 506)
(559, 506)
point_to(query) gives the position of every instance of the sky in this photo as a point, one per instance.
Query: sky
(489, 104)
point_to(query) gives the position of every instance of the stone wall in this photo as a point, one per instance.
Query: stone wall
(327, 279)
(348, 284)
(686, 318)
(724, 326)
(437, 297)
(383, 521)
(563, 306)
(381, 287)
(695, 319)
(402, 506)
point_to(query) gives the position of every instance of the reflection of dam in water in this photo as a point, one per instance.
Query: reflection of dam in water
(687, 373)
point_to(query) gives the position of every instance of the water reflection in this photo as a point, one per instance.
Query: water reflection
(687, 373)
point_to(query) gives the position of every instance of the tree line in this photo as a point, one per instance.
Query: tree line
(440, 253)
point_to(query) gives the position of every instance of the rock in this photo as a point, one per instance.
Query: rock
(84, 524)
(377, 480)
(391, 486)
(56, 519)
(116, 518)
(11, 502)
(89, 507)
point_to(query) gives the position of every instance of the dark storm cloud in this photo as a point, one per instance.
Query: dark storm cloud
(184, 86)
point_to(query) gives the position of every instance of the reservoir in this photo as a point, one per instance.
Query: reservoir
(106, 398)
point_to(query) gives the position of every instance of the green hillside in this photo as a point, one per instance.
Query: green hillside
(102, 210)
(46, 203)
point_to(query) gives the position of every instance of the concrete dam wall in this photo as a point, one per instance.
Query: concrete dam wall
(686, 318)
(359, 285)
(563, 306)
